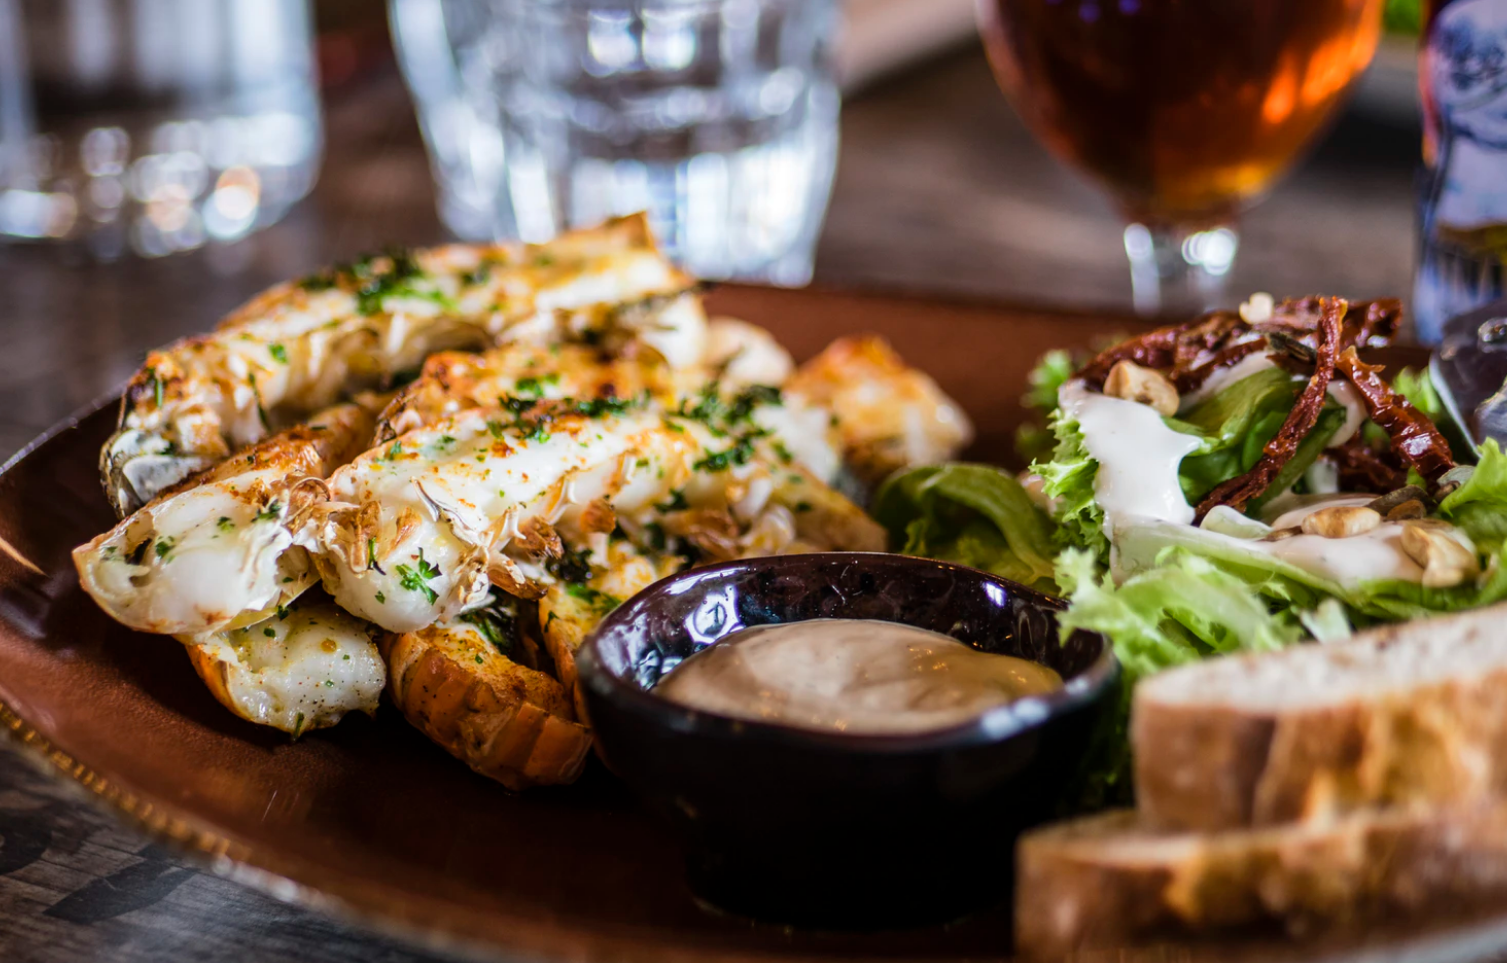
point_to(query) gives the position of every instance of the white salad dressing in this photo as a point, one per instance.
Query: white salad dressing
(1224, 377)
(1372, 555)
(1355, 411)
(1138, 456)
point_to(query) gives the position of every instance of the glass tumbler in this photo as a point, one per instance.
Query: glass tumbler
(154, 125)
(718, 117)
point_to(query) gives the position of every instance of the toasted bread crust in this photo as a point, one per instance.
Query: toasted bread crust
(1108, 881)
(506, 721)
(1203, 765)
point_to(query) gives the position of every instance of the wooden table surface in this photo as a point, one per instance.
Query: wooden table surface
(939, 190)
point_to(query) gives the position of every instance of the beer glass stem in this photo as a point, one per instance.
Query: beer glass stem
(1179, 270)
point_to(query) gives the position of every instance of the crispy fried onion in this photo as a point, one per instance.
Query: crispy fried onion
(1414, 438)
(1189, 353)
(1237, 491)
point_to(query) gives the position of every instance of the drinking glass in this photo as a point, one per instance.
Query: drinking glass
(1186, 111)
(718, 117)
(154, 125)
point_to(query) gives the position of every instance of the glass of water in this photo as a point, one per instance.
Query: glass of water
(718, 117)
(154, 125)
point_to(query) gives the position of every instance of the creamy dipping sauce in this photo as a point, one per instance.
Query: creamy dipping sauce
(858, 676)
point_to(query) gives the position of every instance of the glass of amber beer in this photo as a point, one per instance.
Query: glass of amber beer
(1185, 110)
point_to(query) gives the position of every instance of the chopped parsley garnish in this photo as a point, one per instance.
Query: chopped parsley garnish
(597, 407)
(415, 578)
(261, 410)
(317, 282)
(739, 454)
(532, 387)
(269, 513)
(482, 272)
(398, 279)
(571, 567)
(371, 556)
(655, 533)
(156, 384)
(381, 599)
(270, 632)
(751, 398)
(498, 624)
(282, 612)
(224, 524)
(676, 502)
(163, 546)
(278, 352)
(598, 600)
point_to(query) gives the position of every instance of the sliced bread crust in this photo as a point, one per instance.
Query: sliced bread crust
(1401, 714)
(1109, 880)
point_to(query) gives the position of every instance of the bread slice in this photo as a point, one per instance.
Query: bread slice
(1409, 713)
(1109, 880)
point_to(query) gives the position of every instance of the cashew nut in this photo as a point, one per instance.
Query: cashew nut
(1132, 382)
(1257, 308)
(1446, 560)
(1341, 521)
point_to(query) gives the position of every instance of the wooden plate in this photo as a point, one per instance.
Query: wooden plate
(369, 819)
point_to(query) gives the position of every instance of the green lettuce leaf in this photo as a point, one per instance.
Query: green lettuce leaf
(1178, 612)
(1182, 608)
(1052, 371)
(974, 515)
(1416, 385)
(1068, 479)
(1236, 423)
(1479, 505)
(1233, 425)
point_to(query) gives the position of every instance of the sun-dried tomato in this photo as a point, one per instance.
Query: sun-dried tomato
(1415, 439)
(1363, 469)
(1154, 349)
(1300, 421)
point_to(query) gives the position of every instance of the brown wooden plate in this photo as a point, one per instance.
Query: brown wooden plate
(372, 821)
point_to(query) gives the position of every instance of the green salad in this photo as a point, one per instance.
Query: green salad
(1239, 483)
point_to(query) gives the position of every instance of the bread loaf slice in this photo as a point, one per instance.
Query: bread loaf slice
(1409, 713)
(1110, 881)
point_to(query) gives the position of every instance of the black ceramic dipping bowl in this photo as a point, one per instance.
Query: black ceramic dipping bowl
(830, 829)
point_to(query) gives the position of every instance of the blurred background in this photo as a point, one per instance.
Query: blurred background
(938, 186)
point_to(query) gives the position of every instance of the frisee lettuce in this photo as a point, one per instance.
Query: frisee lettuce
(1068, 480)
(1053, 370)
